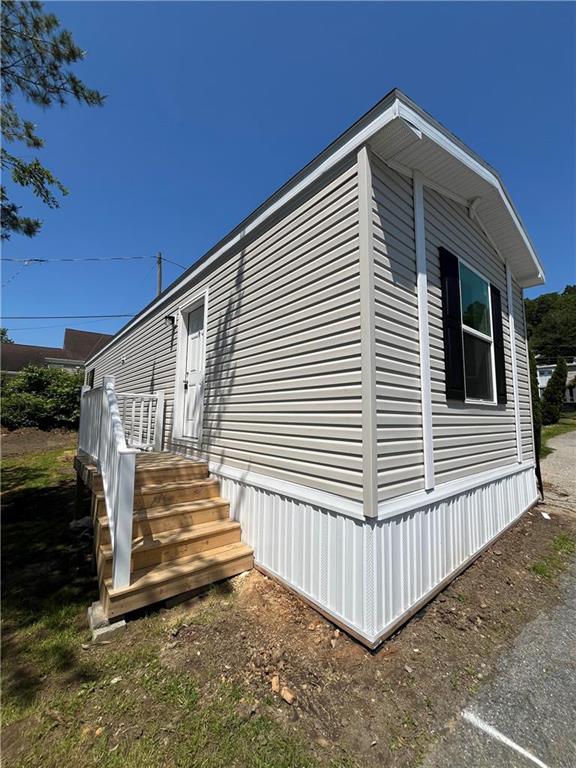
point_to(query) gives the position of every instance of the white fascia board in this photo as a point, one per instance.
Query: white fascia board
(466, 159)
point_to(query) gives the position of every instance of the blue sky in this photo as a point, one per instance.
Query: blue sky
(211, 107)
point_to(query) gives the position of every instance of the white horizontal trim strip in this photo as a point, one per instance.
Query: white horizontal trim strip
(355, 509)
(412, 501)
(312, 496)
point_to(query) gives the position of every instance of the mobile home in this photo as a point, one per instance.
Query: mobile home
(344, 377)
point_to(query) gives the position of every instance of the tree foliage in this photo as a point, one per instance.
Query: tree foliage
(4, 338)
(42, 397)
(36, 56)
(551, 321)
(553, 396)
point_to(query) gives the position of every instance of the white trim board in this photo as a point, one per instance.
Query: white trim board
(346, 146)
(181, 327)
(407, 503)
(355, 509)
(423, 330)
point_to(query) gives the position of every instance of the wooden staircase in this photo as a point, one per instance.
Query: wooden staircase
(182, 534)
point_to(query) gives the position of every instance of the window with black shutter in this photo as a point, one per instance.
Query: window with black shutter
(473, 334)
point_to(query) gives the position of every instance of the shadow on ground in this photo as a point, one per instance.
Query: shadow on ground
(47, 582)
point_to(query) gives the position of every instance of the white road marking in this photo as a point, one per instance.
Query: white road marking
(491, 731)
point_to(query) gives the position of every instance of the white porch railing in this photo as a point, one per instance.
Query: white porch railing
(101, 435)
(142, 418)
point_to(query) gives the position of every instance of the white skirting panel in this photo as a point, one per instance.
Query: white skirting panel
(417, 551)
(323, 555)
(370, 575)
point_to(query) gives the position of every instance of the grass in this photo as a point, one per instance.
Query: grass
(550, 566)
(34, 471)
(566, 424)
(67, 702)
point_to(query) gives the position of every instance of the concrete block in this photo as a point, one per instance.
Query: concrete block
(102, 629)
(108, 632)
(96, 617)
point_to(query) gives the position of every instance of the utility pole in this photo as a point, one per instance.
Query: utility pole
(159, 272)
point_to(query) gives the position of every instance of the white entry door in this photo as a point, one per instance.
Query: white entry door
(193, 382)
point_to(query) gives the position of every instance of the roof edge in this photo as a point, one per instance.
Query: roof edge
(392, 105)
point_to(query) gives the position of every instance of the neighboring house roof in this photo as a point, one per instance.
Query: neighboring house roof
(82, 344)
(409, 140)
(17, 356)
(78, 346)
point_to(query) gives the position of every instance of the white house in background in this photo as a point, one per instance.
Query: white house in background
(350, 365)
(546, 371)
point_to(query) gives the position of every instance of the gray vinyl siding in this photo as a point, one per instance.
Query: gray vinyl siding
(283, 376)
(467, 438)
(523, 370)
(398, 401)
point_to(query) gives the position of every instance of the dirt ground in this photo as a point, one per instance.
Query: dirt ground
(31, 440)
(351, 707)
(384, 707)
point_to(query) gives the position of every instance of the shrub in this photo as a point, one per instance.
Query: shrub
(42, 397)
(553, 397)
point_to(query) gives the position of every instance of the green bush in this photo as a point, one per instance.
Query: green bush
(553, 397)
(42, 397)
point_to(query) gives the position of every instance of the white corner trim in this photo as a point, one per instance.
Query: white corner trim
(367, 337)
(322, 499)
(411, 501)
(423, 330)
(512, 332)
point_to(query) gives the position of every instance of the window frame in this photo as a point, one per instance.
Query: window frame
(478, 334)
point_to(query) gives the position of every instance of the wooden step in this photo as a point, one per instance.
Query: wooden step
(160, 519)
(165, 494)
(172, 545)
(159, 582)
(153, 473)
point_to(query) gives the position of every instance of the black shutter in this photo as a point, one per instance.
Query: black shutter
(452, 315)
(498, 335)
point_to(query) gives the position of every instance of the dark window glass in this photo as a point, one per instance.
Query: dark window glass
(478, 368)
(475, 302)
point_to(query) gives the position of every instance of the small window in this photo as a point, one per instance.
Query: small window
(474, 358)
(477, 335)
(90, 378)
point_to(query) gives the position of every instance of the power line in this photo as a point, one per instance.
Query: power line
(59, 317)
(37, 260)
(44, 327)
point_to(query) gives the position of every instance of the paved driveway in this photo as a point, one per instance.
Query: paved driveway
(527, 715)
